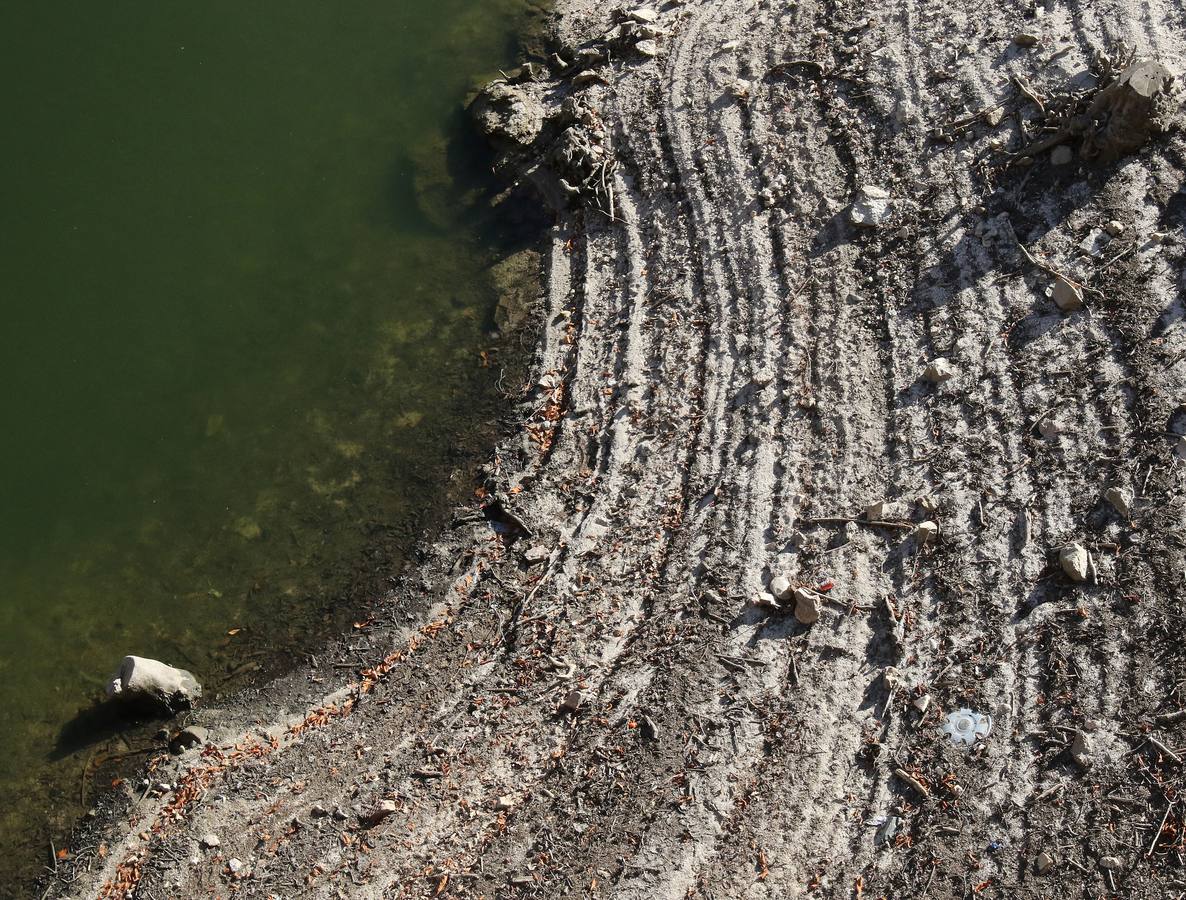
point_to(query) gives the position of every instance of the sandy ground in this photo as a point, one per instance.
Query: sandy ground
(729, 373)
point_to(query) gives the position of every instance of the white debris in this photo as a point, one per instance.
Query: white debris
(1075, 561)
(647, 48)
(939, 370)
(643, 14)
(966, 726)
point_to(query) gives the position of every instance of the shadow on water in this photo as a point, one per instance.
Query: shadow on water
(94, 725)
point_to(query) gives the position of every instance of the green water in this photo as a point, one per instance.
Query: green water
(243, 257)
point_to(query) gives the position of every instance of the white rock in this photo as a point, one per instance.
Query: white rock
(765, 600)
(807, 604)
(780, 587)
(1081, 748)
(1075, 561)
(1067, 295)
(536, 554)
(235, 865)
(927, 532)
(1114, 227)
(150, 683)
(504, 803)
(647, 48)
(209, 841)
(643, 14)
(740, 88)
(939, 370)
(1061, 155)
(872, 207)
(1120, 499)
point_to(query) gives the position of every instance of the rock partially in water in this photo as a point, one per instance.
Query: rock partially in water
(154, 686)
(508, 115)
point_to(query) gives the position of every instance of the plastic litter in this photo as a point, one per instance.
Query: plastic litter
(965, 726)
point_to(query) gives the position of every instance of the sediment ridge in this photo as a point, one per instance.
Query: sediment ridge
(908, 409)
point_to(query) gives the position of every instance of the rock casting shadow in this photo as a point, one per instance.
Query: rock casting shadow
(93, 725)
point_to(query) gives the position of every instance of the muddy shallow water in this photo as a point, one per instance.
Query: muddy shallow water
(247, 307)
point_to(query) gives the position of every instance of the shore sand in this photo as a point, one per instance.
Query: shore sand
(832, 329)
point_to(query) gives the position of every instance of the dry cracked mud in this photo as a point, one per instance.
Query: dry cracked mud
(729, 372)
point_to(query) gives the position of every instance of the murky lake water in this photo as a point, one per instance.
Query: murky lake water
(244, 294)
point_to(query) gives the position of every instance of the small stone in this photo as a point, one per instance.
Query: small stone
(1081, 749)
(1066, 295)
(536, 555)
(807, 604)
(740, 89)
(647, 48)
(644, 15)
(1111, 863)
(875, 512)
(993, 117)
(235, 865)
(191, 736)
(572, 702)
(1120, 499)
(781, 587)
(1061, 155)
(939, 370)
(922, 704)
(1025, 39)
(872, 207)
(927, 532)
(317, 811)
(209, 841)
(1043, 863)
(504, 803)
(1075, 561)
(1115, 228)
(248, 528)
(378, 813)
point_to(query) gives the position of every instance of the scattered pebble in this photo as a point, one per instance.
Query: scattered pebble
(1081, 749)
(209, 841)
(1067, 295)
(572, 702)
(647, 48)
(939, 370)
(235, 865)
(1111, 863)
(807, 604)
(927, 532)
(872, 207)
(876, 512)
(740, 89)
(504, 803)
(1075, 561)
(644, 15)
(536, 555)
(1025, 39)
(378, 813)
(781, 587)
(1120, 499)
(1114, 227)
(1043, 863)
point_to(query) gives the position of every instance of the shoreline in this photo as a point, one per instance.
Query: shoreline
(592, 690)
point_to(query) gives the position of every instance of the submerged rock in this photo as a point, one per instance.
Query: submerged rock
(154, 686)
(517, 281)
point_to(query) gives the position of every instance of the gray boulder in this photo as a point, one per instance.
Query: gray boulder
(151, 685)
